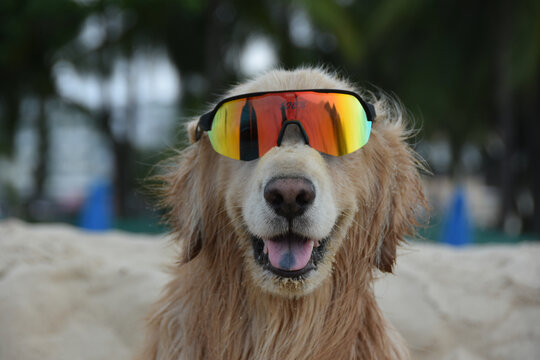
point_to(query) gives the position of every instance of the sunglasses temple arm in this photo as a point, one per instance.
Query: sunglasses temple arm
(204, 124)
(371, 109)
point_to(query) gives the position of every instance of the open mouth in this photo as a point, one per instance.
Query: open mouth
(289, 255)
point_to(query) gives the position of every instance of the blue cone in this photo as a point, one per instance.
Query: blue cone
(457, 226)
(97, 211)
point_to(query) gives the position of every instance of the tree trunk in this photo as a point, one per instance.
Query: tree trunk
(122, 163)
(214, 47)
(11, 119)
(531, 131)
(40, 172)
(504, 106)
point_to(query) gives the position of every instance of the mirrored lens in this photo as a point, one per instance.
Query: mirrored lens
(247, 128)
(336, 124)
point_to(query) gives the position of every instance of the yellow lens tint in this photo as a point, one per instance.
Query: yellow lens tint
(336, 124)
(225, 132)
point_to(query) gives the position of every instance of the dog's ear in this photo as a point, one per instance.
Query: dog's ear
(192, 131)
(402, 197)
(185, 185)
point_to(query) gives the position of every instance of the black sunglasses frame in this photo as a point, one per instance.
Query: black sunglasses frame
(206, 120)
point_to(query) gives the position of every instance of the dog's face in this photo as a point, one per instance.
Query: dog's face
(292, 209)
(292, 206)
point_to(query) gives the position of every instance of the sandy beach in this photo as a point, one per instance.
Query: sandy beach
(69, 294)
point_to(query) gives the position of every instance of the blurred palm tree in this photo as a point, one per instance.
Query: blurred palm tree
(31, 32)
(470, 70)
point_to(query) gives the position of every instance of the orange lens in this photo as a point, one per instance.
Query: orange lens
(246, 128)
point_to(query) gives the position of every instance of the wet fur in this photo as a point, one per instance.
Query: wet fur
(219, 307)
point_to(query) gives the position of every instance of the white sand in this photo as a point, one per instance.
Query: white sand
(67, 294)
(469, 303)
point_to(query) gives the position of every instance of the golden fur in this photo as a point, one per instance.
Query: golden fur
(222, 305)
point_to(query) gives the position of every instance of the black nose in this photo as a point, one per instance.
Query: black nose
(289, 196)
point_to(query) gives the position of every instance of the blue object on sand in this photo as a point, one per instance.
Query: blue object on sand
(98, 209)
(457, 227)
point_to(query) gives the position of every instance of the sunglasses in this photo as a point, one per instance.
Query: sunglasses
(245, 127)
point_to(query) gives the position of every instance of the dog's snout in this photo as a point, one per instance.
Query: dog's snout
(289, 197)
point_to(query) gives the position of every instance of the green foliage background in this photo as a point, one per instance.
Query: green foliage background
(466, 70)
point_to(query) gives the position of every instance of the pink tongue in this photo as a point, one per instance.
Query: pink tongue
(289, 255)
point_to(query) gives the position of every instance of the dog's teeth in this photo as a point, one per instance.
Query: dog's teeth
(316, 244)
(265, 250)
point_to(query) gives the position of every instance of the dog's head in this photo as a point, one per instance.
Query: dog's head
(294, 216)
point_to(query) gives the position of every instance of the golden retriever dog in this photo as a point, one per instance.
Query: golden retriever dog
(280, 244)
